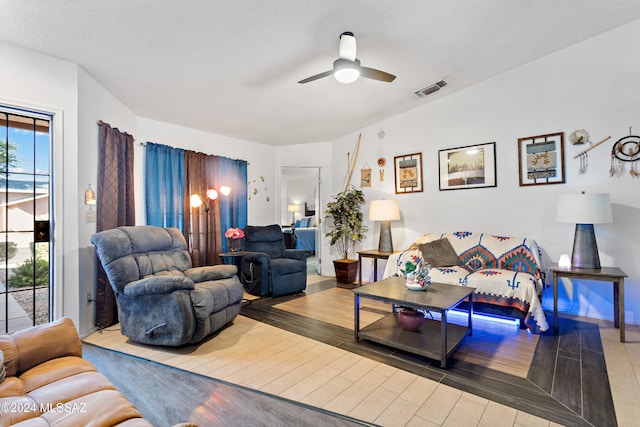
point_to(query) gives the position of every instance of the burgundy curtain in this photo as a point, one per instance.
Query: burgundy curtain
(115, 205)
(202, 227)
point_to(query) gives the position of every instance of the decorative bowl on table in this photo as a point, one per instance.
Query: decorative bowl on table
(411, 319)
(419, 279)
(416, 286)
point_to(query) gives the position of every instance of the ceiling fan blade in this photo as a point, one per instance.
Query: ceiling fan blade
(348, 46)
(372, 73)
(316, 77)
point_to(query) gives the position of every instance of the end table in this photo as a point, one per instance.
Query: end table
(233, 258)
(604, 274)
(376, 255)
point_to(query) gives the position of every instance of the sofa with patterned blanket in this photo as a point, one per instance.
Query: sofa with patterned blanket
(506, 271)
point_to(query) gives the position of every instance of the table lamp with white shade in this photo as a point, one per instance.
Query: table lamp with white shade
(293, 208)
(384, 211)
(584, 210)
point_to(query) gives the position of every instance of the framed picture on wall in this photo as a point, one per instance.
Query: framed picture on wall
(408, 173)
(473, 166)
(541, 159)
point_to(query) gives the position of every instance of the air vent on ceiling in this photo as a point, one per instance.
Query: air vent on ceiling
(430, 89)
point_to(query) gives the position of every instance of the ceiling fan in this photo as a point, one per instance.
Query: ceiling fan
(347, 68)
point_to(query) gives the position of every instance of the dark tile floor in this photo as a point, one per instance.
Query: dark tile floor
(567, 381)
(166, 396)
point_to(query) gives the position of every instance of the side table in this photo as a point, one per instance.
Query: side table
(604, 274)
(233, 258)
(376, 255)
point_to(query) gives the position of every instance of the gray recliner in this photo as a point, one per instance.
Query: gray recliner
(268, 269)
(161, 299)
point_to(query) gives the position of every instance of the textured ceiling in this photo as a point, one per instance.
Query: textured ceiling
(231, 67)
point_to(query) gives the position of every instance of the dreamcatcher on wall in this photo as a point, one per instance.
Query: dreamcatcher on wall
(626, 149)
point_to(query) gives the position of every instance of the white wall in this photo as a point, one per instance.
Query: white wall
(592, 85)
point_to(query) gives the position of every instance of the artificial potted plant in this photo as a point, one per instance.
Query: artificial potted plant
(345, 211)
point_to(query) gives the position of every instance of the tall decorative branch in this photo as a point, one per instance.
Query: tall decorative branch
(351, 166)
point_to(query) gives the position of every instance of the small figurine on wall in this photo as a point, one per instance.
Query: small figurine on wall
(381, 164)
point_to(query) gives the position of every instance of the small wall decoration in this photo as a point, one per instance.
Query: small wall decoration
(626, 149)
(365, 176)
(584, 156)
(578, 137)
(473, 166)
(541, 159)
(408, 173)
(381, 164)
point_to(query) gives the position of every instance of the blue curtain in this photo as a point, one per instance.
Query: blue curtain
(164, 179)
(233, 209)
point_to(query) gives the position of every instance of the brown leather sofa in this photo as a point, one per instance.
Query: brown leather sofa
(48, 383)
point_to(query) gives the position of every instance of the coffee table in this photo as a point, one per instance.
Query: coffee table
(435, 339)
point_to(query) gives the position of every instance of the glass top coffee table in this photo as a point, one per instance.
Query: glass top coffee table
(435, 339)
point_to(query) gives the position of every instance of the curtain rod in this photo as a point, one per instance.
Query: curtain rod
(178, 148)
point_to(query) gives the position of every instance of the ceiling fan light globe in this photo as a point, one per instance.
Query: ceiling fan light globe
(347, 75)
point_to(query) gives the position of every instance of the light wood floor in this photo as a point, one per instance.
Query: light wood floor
(275, 361)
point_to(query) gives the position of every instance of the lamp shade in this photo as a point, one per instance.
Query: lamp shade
(196, 201)
(212, 194)
(292, 208)
(584, 209)
(384, 210)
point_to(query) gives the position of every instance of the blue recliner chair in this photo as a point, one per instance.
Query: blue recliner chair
(161, 299)
(268, 269)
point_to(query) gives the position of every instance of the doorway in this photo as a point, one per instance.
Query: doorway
(25, 247)
(301, 209)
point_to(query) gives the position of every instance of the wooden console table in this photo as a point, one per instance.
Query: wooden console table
(376, 255)
(604, 274)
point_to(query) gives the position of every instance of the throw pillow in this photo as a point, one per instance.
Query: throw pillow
(305, 222)
(439, 253)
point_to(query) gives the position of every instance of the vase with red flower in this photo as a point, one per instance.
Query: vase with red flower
(234, 236)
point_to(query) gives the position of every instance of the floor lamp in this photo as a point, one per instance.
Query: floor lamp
(584, 210)
(196, 202)
(384, 211)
